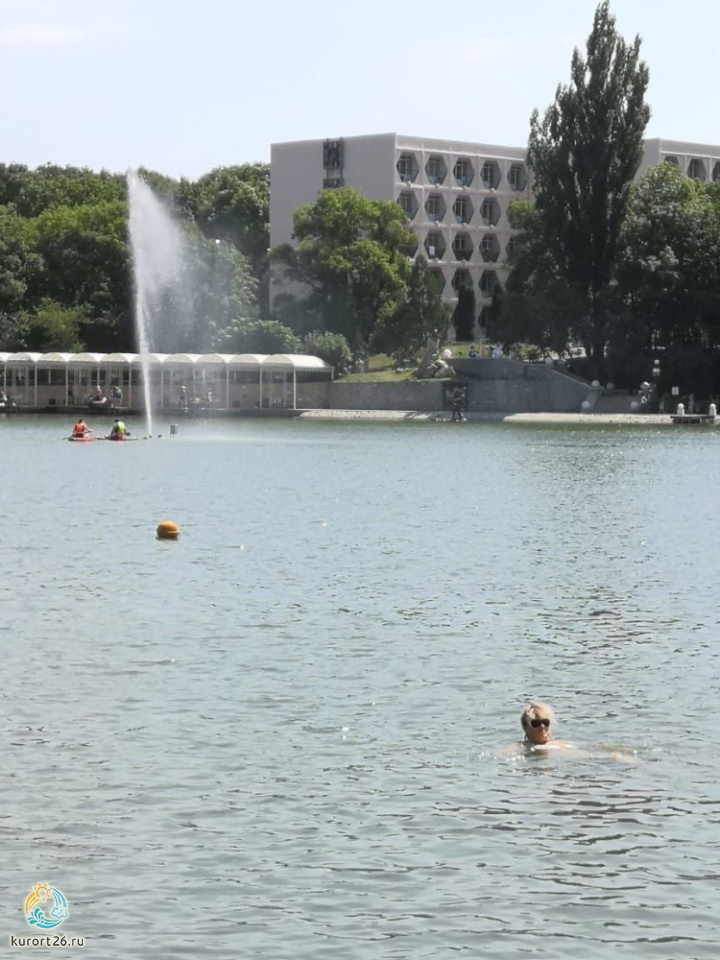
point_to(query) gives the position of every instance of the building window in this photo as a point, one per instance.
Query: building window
(517, 176)
(489, 248)
(696, 170)
(408, 203)
(673, 161)
(462, 278)
(435, 245)
(407, 167)
(490, 211)
(488, 282)
(490, 174)
(463, 209)
(436, 169)
(463, 172)
(462, 246)
(435, 207)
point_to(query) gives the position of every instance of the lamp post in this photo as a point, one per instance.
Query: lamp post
(656, 380)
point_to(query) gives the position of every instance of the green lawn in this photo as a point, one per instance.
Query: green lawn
(381, 368)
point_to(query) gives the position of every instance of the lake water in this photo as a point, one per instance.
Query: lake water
(276, 737)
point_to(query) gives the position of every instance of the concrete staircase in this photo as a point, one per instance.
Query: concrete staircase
(613, 403)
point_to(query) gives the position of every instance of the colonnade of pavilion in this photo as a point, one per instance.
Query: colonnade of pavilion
(220, 380)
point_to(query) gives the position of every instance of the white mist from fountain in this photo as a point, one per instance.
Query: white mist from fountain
(162, 279)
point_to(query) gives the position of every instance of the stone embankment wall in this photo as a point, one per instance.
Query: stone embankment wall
(314, 396)
(494, 386)
(426, 395)
(510, 386)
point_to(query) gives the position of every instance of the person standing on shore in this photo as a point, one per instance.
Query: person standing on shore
(458, 399)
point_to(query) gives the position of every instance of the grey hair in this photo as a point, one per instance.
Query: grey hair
(532, 710)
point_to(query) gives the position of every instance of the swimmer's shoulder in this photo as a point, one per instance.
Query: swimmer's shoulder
(522, 747)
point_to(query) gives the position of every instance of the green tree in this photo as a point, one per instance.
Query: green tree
(85, 260)
(18, 263)
(31, 192)
(537, 306)
(669, 281)
(258, 336)
(53, 327)
(233, 204)
(584, 154)
(349, 262)
(223, 291)
(13, 332)
(333, 348)
(421, 316)
(64, 239)
(13, 177)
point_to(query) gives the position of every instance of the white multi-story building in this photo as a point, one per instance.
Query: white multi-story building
(456, 195)
(699, 161)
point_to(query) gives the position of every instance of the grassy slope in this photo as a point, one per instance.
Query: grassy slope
(381, 368)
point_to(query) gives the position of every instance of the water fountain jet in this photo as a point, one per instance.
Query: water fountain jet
(161, 275)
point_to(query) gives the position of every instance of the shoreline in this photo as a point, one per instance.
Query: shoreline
(389, 416)
(597, 419)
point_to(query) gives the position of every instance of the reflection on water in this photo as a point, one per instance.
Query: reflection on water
(277, 737)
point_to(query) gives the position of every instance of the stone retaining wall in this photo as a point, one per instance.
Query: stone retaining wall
(495, 386)
(406, 395)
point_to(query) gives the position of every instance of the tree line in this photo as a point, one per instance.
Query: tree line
(65, 259)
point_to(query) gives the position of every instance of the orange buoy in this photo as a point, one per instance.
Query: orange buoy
(167, 530)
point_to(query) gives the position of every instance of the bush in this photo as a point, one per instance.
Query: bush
(333, 348)
(259, 336)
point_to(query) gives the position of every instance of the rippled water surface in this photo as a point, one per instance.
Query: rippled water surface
(277, 737)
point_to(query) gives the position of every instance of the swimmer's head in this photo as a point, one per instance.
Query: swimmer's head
(536, 719)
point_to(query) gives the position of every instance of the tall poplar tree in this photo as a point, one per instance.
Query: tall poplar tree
(584, 154)
(464, 315)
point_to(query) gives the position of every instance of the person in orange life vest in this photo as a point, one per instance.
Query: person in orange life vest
(81, 429)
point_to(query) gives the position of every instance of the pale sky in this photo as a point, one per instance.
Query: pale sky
(182, 86)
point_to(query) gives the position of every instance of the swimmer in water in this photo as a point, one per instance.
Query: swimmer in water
(536, 720)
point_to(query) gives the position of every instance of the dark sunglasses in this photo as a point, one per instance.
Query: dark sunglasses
(539, 723)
